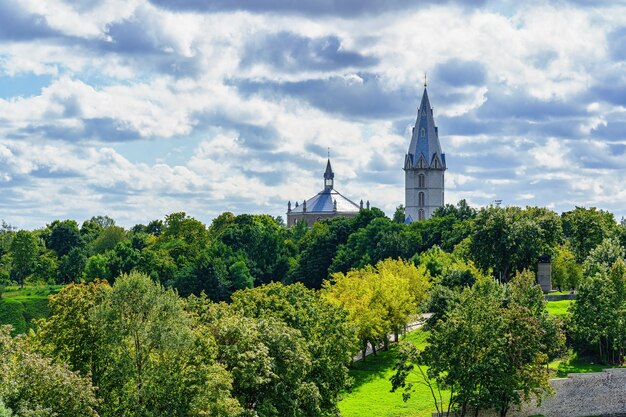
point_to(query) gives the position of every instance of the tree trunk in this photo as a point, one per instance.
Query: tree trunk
(373, 348)
(364, 351)
(386, 343)
(395, 336)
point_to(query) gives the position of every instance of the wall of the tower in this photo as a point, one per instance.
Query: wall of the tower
(424, 192)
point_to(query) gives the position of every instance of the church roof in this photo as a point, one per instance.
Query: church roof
(328, 200)
(425, 138)
(324, 202)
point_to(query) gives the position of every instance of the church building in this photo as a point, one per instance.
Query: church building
(326, 204)
(424, 167)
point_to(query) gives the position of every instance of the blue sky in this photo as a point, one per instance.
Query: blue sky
(139, 108)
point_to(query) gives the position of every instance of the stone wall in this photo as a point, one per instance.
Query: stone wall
(580, 395)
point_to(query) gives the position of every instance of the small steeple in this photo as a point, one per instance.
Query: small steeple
(329, 177)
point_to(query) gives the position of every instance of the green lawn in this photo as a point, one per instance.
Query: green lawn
(371, 394)
(574, 365)
(19, 306)
(559, 308)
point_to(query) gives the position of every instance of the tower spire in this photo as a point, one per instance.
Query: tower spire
(425, 84)
(329, 176)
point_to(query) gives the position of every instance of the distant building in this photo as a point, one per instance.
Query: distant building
(424, 167)
(326, 204)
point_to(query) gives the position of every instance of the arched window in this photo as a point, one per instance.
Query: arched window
(420, 215)
(421, 181)
(423, 132)
(420, 198)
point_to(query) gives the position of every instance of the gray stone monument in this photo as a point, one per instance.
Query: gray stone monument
(544, 273)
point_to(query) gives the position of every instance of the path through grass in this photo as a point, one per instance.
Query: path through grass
(371, 394)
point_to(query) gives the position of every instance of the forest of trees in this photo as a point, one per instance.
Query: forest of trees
(246, 317)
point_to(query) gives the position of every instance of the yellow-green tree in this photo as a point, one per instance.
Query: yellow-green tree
(379, 300)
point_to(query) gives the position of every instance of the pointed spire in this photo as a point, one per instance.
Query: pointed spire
(289, 207)
(368, 204)
(425, 136)
(329, 177)
(335, 205)
(361, 204)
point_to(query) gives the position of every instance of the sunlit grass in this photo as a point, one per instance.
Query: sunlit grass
(371, 394)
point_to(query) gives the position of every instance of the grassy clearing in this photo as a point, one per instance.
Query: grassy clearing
(19, 306)
(371, 394)
(559, 308)
(573, 364)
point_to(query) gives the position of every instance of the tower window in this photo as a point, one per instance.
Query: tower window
(421, 181)
(420, 215)
(423, 132)
(420, 199)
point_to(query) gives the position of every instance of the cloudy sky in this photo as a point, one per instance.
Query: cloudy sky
(139, 108)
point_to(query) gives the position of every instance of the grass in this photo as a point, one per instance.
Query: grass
(573, 364)
(371, 394)
(558, 308)
(19, 306)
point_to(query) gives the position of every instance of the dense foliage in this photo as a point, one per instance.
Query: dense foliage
(491, 349)
(249, 318)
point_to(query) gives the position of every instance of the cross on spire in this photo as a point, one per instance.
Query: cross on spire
(425, 79)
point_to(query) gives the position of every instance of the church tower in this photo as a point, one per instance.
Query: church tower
(424, 166)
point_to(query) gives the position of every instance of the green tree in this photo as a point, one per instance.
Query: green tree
(491, 354)
(398, 215)
(72, 265)
(24, 250)
(355, 293)
(598, 316)
(63, 236)
(586, 228)
(269, 362)
(329, 338)
(603, 256)
(108, 238)
(148, 356)
(566, 272)
(507, 240)
(32, 385)
(380, 239)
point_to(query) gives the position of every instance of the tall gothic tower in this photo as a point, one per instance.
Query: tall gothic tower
(424, 167)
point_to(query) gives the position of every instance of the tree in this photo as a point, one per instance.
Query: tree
(398, 215)
(317, 250)
(491, 354)
(70, 333)
(146, 353)
(603, 256)
(380, 239)
(63, 236)
(566, 273)
(379, 300)
(183, 237)
(269, 362)
(586, 228)
(354, 293)
(507, 240)
(24, 249)
(598, 316)
(108, 238)
(32, 385)
(72, 265)
(329, 338)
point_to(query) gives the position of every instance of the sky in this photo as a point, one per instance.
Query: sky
(140, 108)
